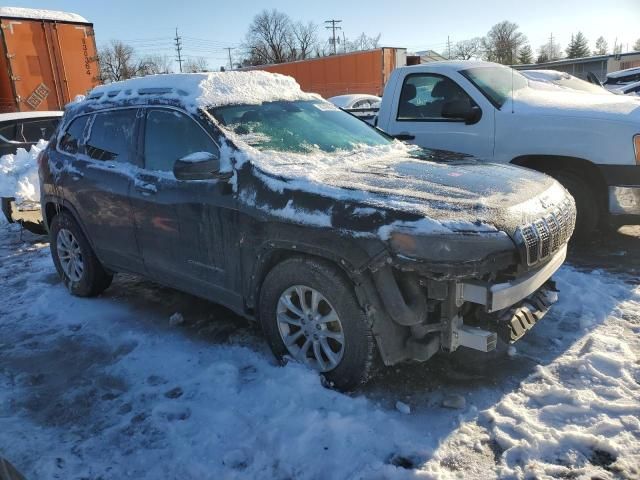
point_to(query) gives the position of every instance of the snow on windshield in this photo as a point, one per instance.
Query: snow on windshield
(19, 174)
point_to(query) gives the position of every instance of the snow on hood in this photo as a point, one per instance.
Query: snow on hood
(576, 104)
(203, 90)
(463, 195)
(41, 14)
(19, 174)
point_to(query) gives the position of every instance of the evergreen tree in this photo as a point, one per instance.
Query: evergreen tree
(636, 46)
(525, 56)
(601, 46)
(578, 46)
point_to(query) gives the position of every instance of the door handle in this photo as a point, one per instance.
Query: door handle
(146, 188)
(404, 136)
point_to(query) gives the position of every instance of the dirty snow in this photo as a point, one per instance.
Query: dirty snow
(105, 388)
(41, 14)
(19, 174)
(201, 90)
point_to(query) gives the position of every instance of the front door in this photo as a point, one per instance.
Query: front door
(182, 226)
(418, 118)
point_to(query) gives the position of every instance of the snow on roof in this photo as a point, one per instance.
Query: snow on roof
(5, 117)
(40, 14)
(200, 90)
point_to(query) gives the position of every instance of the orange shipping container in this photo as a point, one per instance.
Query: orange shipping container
(46, 59)
(356, 72)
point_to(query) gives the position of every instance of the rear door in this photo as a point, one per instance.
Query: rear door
(417, 117)
(182, 226)
(98, 181)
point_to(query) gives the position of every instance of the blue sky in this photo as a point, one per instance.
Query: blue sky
(209, 26)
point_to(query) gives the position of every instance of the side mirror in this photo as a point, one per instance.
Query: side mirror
(462, 110)
(197, 166)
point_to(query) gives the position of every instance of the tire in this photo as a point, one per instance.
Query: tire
(93, 278)
(356, 354)
(587, 205)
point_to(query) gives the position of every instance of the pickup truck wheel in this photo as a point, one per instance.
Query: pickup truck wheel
(587, 207)
(74, 258)
(309, 313)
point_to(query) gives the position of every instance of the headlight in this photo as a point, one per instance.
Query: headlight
(455, 247)
(636, 148)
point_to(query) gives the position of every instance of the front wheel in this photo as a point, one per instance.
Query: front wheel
(588, 211)
(74, 259)
(309, 312)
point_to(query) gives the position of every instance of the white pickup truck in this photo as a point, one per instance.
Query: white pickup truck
(590, 143)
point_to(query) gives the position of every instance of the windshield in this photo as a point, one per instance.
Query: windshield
(495, 83)
(298, 126)
(567, 81)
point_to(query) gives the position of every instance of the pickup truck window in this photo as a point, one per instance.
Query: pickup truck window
(8, 131)
(297, 126)
(424, 94)
(495, 83)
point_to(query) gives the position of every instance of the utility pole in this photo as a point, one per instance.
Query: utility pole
(178, 40)
(448, 48)
(551, 47)
(228, 49)
(333, 27)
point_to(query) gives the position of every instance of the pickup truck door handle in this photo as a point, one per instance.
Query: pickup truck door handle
(404, 136)
(146, 188)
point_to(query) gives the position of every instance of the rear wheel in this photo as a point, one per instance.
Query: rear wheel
(309, 312)
(74, 258)
(587, 205)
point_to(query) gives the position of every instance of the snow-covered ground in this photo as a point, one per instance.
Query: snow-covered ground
(110, 388)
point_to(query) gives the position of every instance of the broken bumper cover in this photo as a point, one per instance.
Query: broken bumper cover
(499, 296)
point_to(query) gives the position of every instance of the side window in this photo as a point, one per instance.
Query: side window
(111, 136)
(171, 135)
(73, 135)
(423, 95)
(33, 130)
(8, 131)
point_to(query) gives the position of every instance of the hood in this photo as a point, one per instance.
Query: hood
(450, 191)
(564, 102)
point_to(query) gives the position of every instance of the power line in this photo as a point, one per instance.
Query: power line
(333, 27)
(179, 49)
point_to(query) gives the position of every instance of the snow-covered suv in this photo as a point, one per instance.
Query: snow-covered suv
(240, 188)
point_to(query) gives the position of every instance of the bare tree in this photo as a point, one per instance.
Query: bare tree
(601, 46)
(636, 46)
(269, 38)
(503, 42)
(156, 64)
(467, 49)
(118, 62)
(549, 52)
(306, 39)
(195, 65)
(362, 42)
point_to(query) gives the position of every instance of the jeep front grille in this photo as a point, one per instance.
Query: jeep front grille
(544, 237)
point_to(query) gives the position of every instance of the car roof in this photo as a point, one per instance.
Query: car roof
(454, 64)
(5, 117)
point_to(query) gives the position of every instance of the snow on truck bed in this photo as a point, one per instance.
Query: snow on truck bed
(19, 174)
(107, 388)
(41, 14)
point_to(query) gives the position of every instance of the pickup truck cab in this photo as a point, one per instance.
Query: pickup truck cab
(590, 143)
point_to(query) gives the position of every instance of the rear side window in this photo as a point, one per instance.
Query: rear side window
(8, 131)
(33, 130)
(111, 136)
(171, 135)
(73, 135)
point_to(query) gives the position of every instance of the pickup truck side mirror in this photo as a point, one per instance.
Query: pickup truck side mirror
(462, 110)
(197, 166)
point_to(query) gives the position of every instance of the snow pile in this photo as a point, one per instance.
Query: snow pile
(201, 90)
(41, 14)
(19, 174)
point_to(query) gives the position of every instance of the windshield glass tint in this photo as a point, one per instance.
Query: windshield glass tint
(496, 83)
(299, 126)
